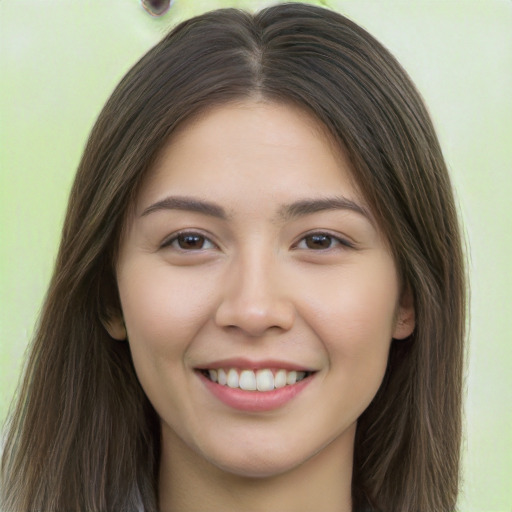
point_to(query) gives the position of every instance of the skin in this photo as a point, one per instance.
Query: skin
(255, 284)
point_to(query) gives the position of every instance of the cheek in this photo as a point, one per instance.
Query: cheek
(163, 309)
(354, 318)
(356, 303)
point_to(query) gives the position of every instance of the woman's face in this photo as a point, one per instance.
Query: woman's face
(251, 257)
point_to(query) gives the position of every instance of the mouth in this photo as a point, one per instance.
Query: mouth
(261, 380)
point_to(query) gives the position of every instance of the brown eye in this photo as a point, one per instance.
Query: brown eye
(322, 242)
(318, 241)
(189, 242)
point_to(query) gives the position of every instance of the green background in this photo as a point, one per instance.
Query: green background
(59, 61)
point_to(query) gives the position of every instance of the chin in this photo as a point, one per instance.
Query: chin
(260, 469)
(264, 463)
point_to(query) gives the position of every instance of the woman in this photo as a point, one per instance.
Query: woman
(258, 302)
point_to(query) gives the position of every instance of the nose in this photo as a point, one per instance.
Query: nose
(255, 298)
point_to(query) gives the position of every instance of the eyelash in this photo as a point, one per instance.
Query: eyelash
(333, 238)
(319, 234)
(175, 238)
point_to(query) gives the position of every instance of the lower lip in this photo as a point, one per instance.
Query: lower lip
(255, 401)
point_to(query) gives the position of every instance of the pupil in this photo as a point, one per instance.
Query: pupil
(318, 242)
(190, 241)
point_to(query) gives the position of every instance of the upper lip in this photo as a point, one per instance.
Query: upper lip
(250, 364)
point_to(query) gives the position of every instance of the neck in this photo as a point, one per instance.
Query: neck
(190, 483)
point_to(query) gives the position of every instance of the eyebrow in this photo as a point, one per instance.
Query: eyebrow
(309, 206)
(188, 204)
(290, 211)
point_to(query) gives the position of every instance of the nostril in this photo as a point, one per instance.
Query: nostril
(156, 7)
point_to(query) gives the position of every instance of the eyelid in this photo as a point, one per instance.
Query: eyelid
(343, 241)
(174, 236)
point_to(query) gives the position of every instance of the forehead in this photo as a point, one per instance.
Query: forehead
(265, 114)
(246, 147)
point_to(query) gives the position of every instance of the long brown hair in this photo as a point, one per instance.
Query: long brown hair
(83, 436)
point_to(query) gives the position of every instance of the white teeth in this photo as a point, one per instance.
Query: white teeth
(261, 380)
(280, 379)
(247, 380)
(222, 377)
(233, 378)
(264, 380)
(291, 378)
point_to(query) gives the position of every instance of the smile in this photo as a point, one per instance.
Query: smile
(264, 388)
(263, 380)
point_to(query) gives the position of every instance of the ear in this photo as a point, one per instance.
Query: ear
(115, 327)
(405, 317)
